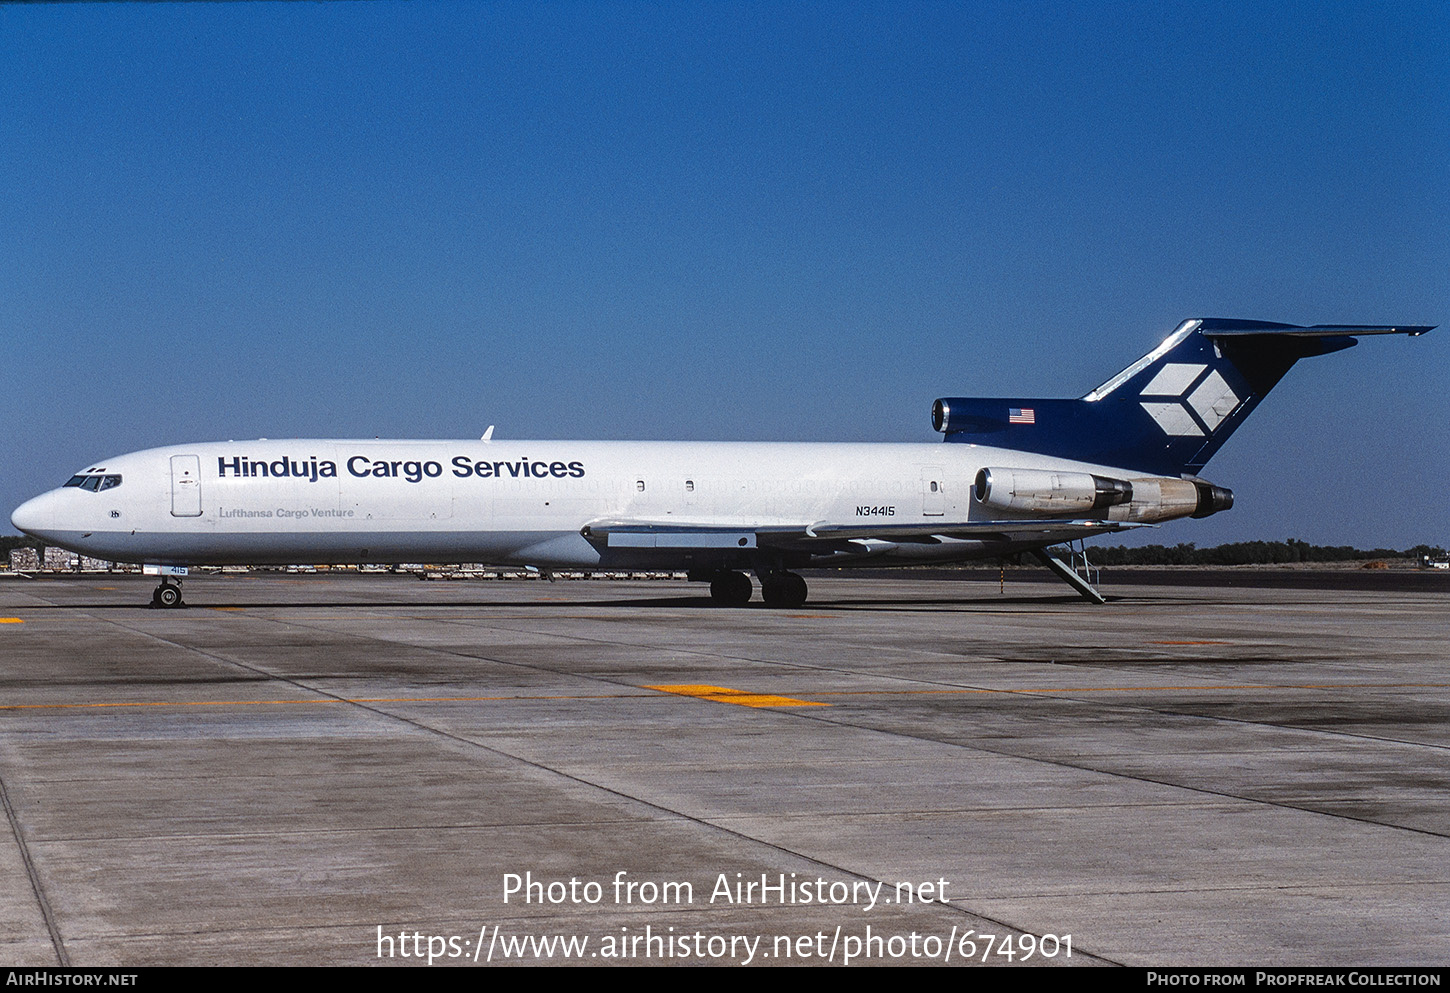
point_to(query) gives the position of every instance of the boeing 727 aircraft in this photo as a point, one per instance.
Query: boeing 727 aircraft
(1017, 475)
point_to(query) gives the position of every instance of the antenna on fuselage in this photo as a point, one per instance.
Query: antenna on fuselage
(487, 435)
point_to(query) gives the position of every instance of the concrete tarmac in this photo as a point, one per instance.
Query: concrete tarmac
(354, 769)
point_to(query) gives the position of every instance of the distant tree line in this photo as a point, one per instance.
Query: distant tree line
(9, 541)
(1249, 553)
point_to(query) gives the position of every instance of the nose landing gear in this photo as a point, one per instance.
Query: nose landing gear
(168, 594)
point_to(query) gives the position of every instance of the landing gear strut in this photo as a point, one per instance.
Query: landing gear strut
(168, 594)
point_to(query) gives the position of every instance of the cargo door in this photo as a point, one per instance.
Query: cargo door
(185, 486)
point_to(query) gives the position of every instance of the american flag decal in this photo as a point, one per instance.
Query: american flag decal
(1021, 415)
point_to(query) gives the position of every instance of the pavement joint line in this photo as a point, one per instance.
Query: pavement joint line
(1081, 765)
(34, 875)
(760, 661)
(721, 694)
(777, 663)
(715, 656)
(341, 832)
(1141, 689)
(322, 698)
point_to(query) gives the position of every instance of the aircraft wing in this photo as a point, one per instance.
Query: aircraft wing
(823, 535)
(1005, 530)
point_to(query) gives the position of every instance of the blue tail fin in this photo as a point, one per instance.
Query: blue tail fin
(1166, 414)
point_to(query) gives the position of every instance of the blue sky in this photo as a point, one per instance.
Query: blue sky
(711, 221)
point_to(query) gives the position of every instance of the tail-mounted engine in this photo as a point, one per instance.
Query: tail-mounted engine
(1040, 491)
(1047, 492)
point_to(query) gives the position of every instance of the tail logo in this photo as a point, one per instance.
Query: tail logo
(1211, 399)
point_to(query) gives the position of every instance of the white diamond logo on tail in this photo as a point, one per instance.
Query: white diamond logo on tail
(1214, 400)
(1173, 380)
(1173, 419)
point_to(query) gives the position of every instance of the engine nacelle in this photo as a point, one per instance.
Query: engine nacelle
(1146, 499)
(1043, 491)
(1164, 498)
(978, 415)
(1212, 499)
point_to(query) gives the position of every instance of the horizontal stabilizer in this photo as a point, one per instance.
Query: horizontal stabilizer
(1218, 327)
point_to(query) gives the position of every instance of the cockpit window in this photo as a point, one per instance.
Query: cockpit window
(94, 483)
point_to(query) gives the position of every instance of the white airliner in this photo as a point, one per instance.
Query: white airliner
(1018, 475)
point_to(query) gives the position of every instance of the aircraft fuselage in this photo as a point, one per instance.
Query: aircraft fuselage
(512, 502)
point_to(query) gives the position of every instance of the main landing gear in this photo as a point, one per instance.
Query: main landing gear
(731, 589)
(782, 589)
(168, 594)
(777, 589)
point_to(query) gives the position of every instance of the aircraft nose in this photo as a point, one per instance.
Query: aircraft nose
(34, 516)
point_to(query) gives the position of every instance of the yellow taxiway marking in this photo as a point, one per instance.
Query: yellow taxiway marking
(226, 608)
(11, 620)
(742, 698)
